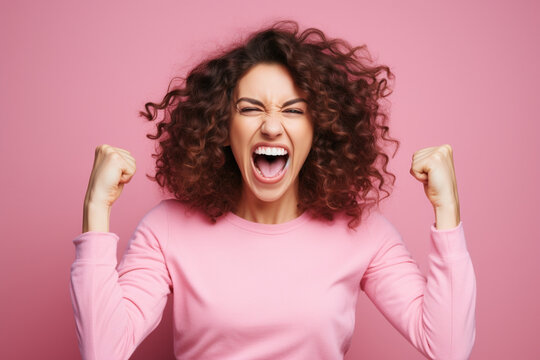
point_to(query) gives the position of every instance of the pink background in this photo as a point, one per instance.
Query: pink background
(74, 76)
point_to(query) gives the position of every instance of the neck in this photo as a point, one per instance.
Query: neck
(267, 212)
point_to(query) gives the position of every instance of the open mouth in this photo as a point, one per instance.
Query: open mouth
(270, 162)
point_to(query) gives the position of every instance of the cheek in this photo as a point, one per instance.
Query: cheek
(306, 138)
(235, 133)
(239, 135)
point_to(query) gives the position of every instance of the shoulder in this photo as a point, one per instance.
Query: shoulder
(172, 218)
(173, 209)
(157, 211)
(373, 224)
(178, 214)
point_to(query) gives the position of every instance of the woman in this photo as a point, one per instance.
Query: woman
(272, 152)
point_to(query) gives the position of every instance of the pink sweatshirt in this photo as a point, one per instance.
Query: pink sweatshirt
(245, 291)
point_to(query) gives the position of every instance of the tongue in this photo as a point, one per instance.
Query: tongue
(270, 168)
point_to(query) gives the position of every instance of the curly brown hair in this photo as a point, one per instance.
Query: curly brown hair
(344, 88)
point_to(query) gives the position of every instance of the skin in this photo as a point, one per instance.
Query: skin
(434, 168)
(113, 168)
(260, 117)
(272, 123)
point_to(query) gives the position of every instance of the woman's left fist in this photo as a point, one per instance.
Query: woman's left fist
(434, 167)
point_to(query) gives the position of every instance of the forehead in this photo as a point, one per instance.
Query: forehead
(267, 82)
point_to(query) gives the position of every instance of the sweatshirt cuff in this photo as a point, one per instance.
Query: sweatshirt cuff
(449, 242)
(96, 245)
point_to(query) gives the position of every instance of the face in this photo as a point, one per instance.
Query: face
(270, 133)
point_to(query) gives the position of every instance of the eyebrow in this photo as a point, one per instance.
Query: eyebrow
(257, 102)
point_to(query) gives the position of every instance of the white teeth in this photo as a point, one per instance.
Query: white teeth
(272, 151)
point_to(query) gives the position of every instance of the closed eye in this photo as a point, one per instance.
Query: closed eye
(294, 111)
(249, 109)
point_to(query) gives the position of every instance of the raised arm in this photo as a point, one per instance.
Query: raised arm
(115, 308)
(436, 314)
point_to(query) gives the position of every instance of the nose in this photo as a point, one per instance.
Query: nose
(272, 126)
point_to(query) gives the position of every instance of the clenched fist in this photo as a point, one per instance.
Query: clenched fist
(434, 167)
(113, 168)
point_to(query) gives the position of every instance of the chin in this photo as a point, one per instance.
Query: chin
(271, 193)
(268, 195)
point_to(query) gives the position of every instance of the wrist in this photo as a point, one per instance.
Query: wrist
(95, 217)
(447, 216)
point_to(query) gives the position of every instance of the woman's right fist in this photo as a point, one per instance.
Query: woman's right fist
(113, 167)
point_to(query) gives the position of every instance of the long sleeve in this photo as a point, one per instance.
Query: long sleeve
(435, 314)
(115, 308)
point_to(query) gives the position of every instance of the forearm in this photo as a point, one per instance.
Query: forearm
(99, 309)
(450, 297)
(95, 217)
(447, 216)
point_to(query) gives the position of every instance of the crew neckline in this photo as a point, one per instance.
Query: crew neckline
(269, 229)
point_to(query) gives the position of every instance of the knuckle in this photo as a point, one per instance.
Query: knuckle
(104, 148)
(115, 156)
(442, 152)
(447, 148)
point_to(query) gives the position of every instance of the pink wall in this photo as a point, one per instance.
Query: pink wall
(73, 76)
